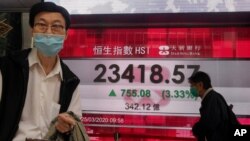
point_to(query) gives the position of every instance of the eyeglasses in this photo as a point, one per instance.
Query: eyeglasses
(56, 28)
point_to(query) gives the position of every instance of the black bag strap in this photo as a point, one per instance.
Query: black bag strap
(233, 121)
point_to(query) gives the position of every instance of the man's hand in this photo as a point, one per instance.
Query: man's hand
(64, 123)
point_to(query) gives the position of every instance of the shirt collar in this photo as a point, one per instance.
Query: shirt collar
(206, 92)
(33, 59)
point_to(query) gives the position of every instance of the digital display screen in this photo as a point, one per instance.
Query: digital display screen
(138, 77)
(152, 6)
(135, 80)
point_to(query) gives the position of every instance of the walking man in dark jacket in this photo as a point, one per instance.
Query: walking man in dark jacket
(214, 120)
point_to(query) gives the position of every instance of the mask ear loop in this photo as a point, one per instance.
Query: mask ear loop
(32, 42)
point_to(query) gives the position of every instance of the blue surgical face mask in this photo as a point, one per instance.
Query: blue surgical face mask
(48, 44)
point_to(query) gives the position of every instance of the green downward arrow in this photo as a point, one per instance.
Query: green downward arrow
(112, 93)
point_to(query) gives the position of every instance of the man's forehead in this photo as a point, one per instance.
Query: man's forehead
(50, 16)
(193, 83)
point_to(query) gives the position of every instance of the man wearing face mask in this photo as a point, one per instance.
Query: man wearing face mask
(35, 85)
(215, 115)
